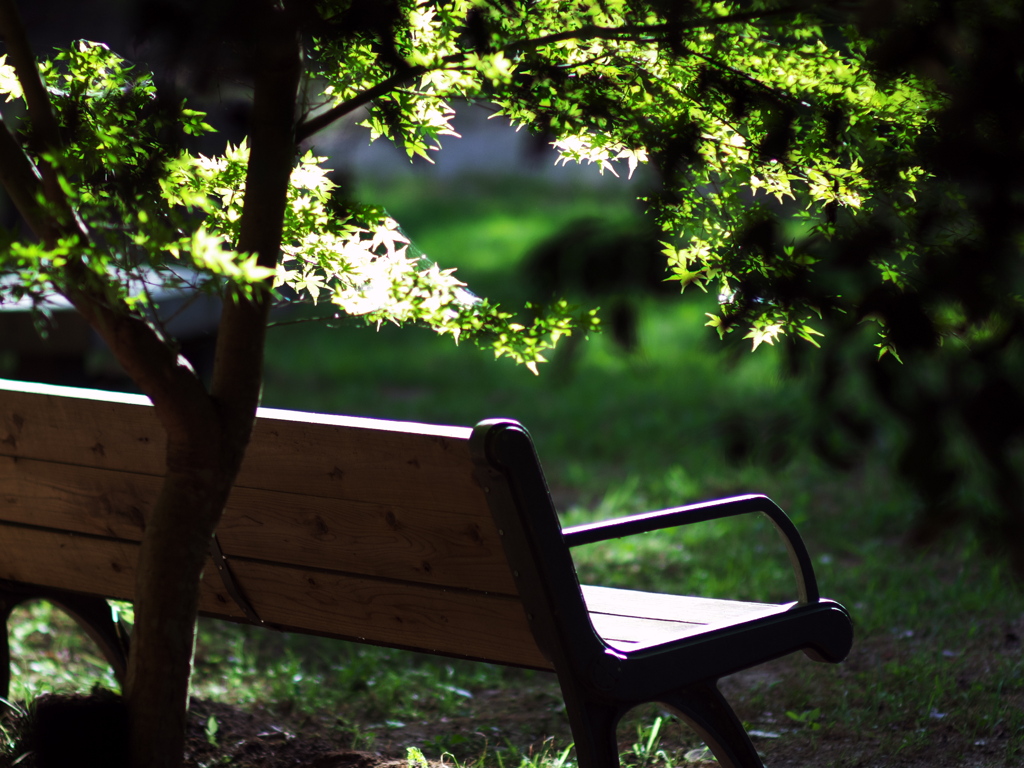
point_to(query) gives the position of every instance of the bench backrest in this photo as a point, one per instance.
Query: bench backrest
(355, 528)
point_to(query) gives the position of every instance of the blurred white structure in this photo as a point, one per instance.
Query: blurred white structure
(488, 145)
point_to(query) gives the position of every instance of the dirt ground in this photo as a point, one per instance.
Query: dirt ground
(532, 718)
(259, 739)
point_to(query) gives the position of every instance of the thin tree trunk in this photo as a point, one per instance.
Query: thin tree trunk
(171, 560)
(202, 467)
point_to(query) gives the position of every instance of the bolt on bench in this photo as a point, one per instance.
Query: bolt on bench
(429, 538)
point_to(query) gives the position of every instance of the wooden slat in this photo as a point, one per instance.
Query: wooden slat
(119, 433)
(454, 622)
(93, 566)
(436, 547)
(349, 460)
(626, 633)
(80, 499)
(331, 456)
(626, 618)
(656, 605)
(447, 621)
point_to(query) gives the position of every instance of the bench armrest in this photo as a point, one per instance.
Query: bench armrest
(807, 586)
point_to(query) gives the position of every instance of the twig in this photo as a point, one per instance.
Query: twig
(627, 33)
(46, 132)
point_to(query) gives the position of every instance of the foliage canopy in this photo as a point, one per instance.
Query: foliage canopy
(755, 115)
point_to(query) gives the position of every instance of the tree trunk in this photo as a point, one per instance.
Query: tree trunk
(203, 463)
(173, 554)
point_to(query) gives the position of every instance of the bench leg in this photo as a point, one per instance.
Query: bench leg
(705, 709)
(593, 726)
(91, 613)
(6, 606)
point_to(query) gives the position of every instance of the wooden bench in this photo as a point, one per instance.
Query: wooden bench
(430, 538)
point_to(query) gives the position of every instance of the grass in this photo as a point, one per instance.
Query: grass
(937, 659)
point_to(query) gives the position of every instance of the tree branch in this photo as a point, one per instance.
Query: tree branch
(174, 389)
(24, 185)
(626, 33)
(238, 367)
(642, 33)
(324, 119)
(46, 131)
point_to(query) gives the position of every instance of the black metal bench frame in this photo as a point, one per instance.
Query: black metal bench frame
(600, 683)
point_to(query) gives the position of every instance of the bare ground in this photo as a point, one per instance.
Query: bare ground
(529, 720)
(532, 719)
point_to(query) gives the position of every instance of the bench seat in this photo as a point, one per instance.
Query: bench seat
(630, 620)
